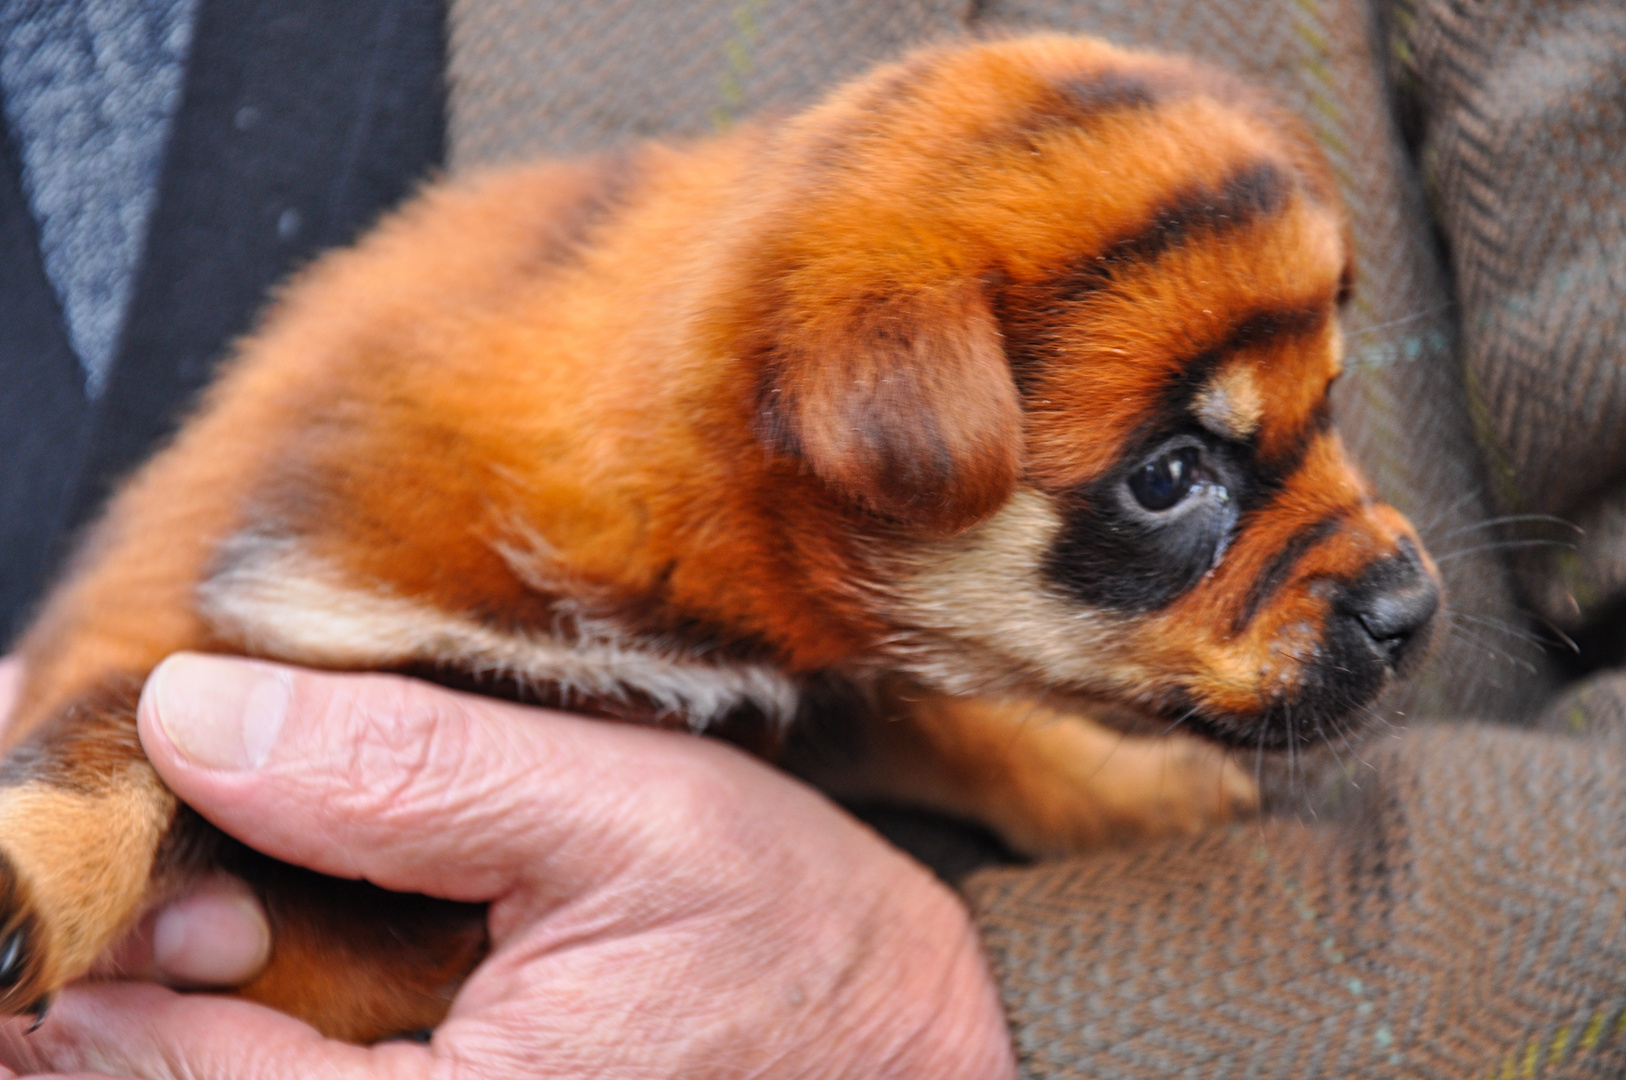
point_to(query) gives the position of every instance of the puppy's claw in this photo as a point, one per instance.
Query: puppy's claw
(37, 1011)
(11, 957)
(13, 967)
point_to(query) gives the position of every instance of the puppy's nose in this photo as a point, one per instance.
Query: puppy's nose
(1392, 603)
(1394, 619)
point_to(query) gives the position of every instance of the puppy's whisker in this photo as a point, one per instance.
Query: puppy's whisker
(1502, 545)
(1445, 514)
(1509, 519)
(1170, 729)
(1117, 742)
(1296, 767)
(1343, 736)
(1379, 719)
(1259, 768)
(1321, 732)
(1468, 636)
(1463, 634)
(1514, 630)
(1404, 320)
(1563, 637)
(1023, 723)
(1499, 625)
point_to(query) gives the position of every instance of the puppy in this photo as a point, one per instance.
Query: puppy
(989, 394)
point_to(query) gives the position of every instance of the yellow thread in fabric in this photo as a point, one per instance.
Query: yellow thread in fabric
(1594, 1029)
(1500, 465)
(737, 53)
(1405, 26)
(1532, 1055)
(1561, 1042)
(1577, 719)
(1323, 97)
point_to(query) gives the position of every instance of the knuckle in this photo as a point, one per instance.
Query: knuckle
(701, 805)
(405, 748)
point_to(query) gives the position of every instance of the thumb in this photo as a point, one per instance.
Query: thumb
(407, 785)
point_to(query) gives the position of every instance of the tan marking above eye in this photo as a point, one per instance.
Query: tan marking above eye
(1230, 405)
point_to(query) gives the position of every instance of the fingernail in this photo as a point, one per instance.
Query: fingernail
(210, 940)
(221, 714)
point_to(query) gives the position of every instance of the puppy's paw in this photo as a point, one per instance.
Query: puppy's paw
(1049, 779)
(1184, 785)
(1082, 786)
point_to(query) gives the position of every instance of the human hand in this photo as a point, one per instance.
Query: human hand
(661, 905)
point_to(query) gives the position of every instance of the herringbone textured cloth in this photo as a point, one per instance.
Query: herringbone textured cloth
(1522, 125)
(563, 77)
(1594, 706)
(1465, 918)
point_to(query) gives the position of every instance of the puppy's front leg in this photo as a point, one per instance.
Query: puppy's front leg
(1047, 781)
(83, 819)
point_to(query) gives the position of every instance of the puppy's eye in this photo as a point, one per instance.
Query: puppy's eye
(1162, 483)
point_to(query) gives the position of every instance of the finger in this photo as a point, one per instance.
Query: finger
(11, 682)
(141, 1030)
(411, 786)
(216, 935)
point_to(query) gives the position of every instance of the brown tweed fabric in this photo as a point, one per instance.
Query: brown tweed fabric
(561, 77)
(1521, 117)
(1594, 706)
(1466, 918)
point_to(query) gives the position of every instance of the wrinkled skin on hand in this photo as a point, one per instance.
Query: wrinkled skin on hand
(661, 906)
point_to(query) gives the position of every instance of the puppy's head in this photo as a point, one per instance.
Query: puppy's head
(1058, 323)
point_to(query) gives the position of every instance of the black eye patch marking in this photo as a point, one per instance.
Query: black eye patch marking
(1280, 568)
(1114, 553)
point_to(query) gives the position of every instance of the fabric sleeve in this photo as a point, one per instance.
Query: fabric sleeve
(1517, 113)
(1465, 916)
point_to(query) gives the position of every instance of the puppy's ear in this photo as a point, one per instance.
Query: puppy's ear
(905, 405)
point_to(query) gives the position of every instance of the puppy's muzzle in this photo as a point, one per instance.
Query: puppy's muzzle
(1376, 625)
(1389, 608)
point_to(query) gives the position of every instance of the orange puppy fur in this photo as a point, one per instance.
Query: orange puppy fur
(1000, 375)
